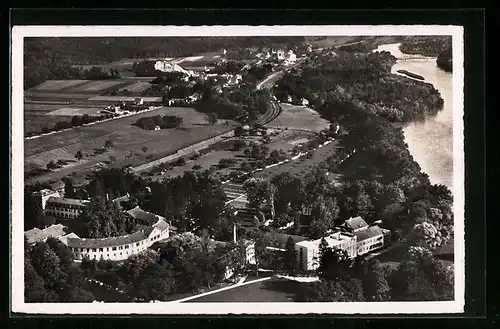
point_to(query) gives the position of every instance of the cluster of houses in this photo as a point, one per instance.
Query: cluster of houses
(278, 56)
(355, 236)
(149, 228)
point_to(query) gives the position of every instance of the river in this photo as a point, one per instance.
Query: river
(430, 142)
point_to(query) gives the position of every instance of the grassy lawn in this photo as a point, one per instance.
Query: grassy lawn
(328, 41)
(272, 290)
(302, 165)
(127, 138)
(299, 117)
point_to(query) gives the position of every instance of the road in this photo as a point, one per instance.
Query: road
(269, 82)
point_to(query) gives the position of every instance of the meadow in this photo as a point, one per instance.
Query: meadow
(128, 140)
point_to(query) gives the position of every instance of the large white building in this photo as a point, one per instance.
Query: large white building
(65, 208)
(151, 228)
(308, 251)
(368, 238)
(356, 237)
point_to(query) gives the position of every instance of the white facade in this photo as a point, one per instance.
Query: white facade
(116, 248)
(369, 244)
(65, 208)
(45, 194)
(308, 251)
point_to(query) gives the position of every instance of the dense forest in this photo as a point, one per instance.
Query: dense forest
(52, 58)
(440, 47)
(365, 80)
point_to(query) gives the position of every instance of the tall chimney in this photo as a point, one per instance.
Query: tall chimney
(234, 232)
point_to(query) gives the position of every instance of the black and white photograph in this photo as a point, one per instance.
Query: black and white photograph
(273, 169)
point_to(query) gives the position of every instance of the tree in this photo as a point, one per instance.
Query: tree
(65, 255)
(324, 212)
(157, 282)
(79, 155)
(108, 144)
(51, 165)
(96, 188)
(144, 149)
(290, 264)
(76, 121)
(426, 235)
(342, 290)
(375, 285)
(34, 286)
(33, 211)
(212, 118)
(258, 191)
(85, 119)
(103, 218)
(333, 263)
(46, 262)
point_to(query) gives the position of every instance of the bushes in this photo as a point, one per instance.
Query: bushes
(165, 122)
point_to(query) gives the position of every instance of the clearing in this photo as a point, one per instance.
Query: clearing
(128, 139)
(302, 165)
(299, 118)
(58, 85)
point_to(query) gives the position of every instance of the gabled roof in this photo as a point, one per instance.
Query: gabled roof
(368, 233)
(36, 235)
(106, 242)
(67, 201)
(355, 223)
(143, 215)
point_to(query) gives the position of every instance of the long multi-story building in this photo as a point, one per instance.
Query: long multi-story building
(65, 208)
(151, 228)
(308, 251)
(354, 236)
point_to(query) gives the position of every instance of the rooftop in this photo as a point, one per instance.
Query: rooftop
(368, 233)
(143, 215)
(36, 235)
(333, 240)
(106, 242)
(355, 223)
(47, 191)
(68, 201)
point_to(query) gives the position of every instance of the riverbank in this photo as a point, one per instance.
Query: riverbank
(430, 141)
(411, 75)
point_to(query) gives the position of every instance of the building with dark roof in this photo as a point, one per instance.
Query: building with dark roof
(65, 208)
(36, 235)
(355, 224)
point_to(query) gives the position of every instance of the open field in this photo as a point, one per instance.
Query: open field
(285, 140)
(57, 85)
(136, 87)
(272, 290)
(128, 140)
(70, 111)
(97, 85)
(300, 166)
(327, 42)
(62, 96)
(122, 99)
(37, 116)
(299, 117)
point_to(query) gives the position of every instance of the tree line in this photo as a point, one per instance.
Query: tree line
(164, 122)
(432, 46)
(54, 58)
(366, 81)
